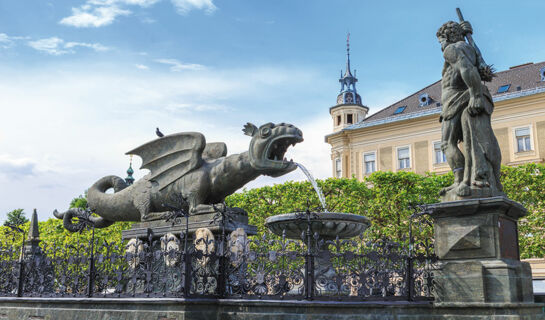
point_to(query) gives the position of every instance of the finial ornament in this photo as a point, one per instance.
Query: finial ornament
(348, 43)
(33, 232)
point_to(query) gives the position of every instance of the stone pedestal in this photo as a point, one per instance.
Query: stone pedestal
(205, 230)
(212, 220)
(476, 241)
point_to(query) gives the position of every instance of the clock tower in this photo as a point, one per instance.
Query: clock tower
(348, 109)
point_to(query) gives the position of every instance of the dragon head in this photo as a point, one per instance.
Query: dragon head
(268, 146)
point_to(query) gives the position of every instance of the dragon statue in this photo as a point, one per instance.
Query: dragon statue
(184, 164)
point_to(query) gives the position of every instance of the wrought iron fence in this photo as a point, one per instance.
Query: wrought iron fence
(231, 266)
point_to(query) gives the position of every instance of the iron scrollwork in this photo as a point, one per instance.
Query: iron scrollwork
(225, 266)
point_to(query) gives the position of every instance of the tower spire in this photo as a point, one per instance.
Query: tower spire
(347, 73)
(348, 81)
(130, 179)
(349, 110)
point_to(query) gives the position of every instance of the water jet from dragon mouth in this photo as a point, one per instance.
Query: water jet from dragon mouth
(314, 185)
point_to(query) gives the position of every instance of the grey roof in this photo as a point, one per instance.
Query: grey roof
(524, 80)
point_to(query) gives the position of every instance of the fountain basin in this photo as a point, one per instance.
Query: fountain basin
(328, 225)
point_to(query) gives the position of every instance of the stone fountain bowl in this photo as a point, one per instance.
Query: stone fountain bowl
(328, 225)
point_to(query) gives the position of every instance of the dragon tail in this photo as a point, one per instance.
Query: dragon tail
(98, 222)
(95, 199)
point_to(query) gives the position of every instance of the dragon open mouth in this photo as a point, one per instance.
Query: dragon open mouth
(278, 147)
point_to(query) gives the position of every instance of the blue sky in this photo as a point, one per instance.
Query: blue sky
(84, 81)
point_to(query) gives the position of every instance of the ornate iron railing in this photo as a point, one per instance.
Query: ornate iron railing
(232, 266)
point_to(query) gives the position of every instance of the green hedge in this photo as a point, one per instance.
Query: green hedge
(384, 197)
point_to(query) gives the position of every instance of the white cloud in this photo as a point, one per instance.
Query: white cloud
(57, 46)
(142, 67)
(51, 45)
(13, 167)
(8, 41)
(176, 65)
(89, 16)
(100, 13)
(184, 6)
(5, 41)
(192, 107)
(78, 123)
(94, 46)
(142, 3)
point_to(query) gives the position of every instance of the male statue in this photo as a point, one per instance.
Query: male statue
(465, 117)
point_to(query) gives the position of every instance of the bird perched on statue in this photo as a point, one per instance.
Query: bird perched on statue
(159, 133)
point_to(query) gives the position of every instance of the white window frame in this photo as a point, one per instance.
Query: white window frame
(435, 156)
(397, 157)
(515, 138)
(338, 172)
(365, 164)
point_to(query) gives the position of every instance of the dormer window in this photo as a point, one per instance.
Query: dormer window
(400, 109)
(542, 73)
(504, 88)
(424, 99)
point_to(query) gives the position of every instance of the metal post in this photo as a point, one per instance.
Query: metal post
(20, 280)
(136, 265)
(187, 260)
(91, 275)
(410, 271)
(149, 256)
(309, 262)
(222, 270)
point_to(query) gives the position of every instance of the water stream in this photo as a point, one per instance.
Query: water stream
(314, 185)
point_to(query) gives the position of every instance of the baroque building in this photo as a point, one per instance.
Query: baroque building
(407, 134)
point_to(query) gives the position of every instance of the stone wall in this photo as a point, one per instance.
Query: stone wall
(202, 309)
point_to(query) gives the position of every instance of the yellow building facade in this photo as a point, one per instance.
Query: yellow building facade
(406, 135)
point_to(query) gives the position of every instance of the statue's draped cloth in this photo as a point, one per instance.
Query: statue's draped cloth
(456, 101)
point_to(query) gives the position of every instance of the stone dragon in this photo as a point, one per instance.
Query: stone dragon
(184, 164)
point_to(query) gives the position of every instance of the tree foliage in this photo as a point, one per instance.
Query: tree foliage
(526, 184)
(16, 217)
(387, 198)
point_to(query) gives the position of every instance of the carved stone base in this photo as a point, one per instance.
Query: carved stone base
(236, 218)
(483, 281)
(476, 241)
(475, 193)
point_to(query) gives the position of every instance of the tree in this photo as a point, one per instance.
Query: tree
(79, 202)
(16, 217)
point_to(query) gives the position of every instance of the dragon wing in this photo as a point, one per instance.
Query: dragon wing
(172, 156)
(214, 150)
